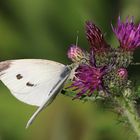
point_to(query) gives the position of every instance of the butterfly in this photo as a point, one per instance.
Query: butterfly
(34, 81)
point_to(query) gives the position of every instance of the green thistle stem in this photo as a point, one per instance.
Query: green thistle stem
(126, 104)
(130, 112)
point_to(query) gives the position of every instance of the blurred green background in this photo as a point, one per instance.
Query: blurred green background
(44, 29)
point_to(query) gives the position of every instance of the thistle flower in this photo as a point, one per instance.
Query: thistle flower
(102, 51)
(75, 53)
(95, 37)
(88, 79)
(128, 34)
(105, 69)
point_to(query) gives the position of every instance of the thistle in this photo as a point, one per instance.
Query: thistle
(95, 38)
(88, 79)
(128, 34)
(103, 74)
(103, 53)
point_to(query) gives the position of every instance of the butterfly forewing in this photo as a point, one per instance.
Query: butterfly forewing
(31, 80)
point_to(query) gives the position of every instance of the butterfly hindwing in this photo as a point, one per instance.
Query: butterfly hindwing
(54, 92)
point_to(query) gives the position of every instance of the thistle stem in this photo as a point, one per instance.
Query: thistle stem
(130, 112)
(128, 107)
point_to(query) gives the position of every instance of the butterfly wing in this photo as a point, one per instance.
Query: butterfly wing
(54, 92)
(32, 80)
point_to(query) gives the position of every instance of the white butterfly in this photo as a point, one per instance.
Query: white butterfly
(34, 81)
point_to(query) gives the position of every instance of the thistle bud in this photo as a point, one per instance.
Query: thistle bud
(75, 53)
(122, 73)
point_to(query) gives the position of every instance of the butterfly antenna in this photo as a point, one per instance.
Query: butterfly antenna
(77, 39)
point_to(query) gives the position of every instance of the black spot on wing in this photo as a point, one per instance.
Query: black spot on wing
(30, 84)
(19, 76)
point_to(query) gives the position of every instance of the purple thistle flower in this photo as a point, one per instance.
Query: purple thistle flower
(95, 37)
(103, 68)
(88, 79)
(128, 34)
(75, 53)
